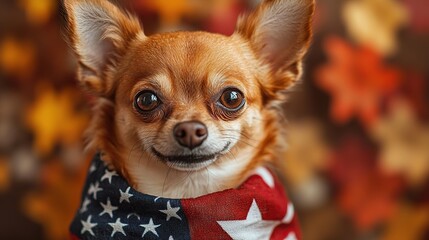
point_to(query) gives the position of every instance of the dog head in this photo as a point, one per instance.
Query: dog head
(187, 113)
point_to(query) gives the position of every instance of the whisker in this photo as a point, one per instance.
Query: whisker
(165, 179)
(188, 174)
(208, 176)
(233, 156)
(237, 131)
(132, 149)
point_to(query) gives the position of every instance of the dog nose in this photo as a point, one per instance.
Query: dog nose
(190, 134)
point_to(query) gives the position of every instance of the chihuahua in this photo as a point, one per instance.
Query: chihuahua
(185, 114)
(184, 122)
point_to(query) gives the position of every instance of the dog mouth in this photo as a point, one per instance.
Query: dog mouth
(191, 162)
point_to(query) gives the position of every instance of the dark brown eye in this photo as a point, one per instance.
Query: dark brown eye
(232, 100)
(146, 101)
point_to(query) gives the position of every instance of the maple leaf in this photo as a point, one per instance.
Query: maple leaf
(54, 119)
(404, 144)
(375, 23)
(56, 202)
(365, 193)
(357, 80)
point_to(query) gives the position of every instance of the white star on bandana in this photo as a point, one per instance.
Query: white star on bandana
(171, 212)
(108, 208)
(108, 175)
(150, 227)
(93, 189)
(118, 227)
(125, 196)
(87, 226)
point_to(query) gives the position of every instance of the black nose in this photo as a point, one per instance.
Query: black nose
(190, 134)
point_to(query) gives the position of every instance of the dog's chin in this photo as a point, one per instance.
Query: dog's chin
(192, 162)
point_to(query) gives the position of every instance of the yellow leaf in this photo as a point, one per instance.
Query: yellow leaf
(375, 23)
(404, 144)
(53, 119)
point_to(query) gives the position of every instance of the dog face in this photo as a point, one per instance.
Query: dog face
(186, 102)
(187, 113)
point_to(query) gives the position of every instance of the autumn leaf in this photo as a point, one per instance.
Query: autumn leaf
(364, 192)
(358, 81)
(375, 23)
(404, 144)
(54, 119)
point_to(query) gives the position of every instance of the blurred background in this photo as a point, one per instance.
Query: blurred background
(358, 159)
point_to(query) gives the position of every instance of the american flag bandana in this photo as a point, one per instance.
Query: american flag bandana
(111, 209)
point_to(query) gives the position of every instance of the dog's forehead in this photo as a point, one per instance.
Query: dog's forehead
(187, 64)
(188, 56)
(188, 44)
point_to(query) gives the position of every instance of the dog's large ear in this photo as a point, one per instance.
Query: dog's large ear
(99, 32)
(279, 33)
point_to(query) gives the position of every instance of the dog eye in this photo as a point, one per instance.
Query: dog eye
(232, 99)
(147, 101)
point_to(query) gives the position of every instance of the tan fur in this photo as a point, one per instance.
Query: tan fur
(188, 69)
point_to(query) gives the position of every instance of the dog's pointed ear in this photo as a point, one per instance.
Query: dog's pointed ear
(99, 33)
(279, 33)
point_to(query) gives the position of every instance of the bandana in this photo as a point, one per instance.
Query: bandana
(112, 209)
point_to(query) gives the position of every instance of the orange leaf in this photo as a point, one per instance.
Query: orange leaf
(357, 80)
(54, 119)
